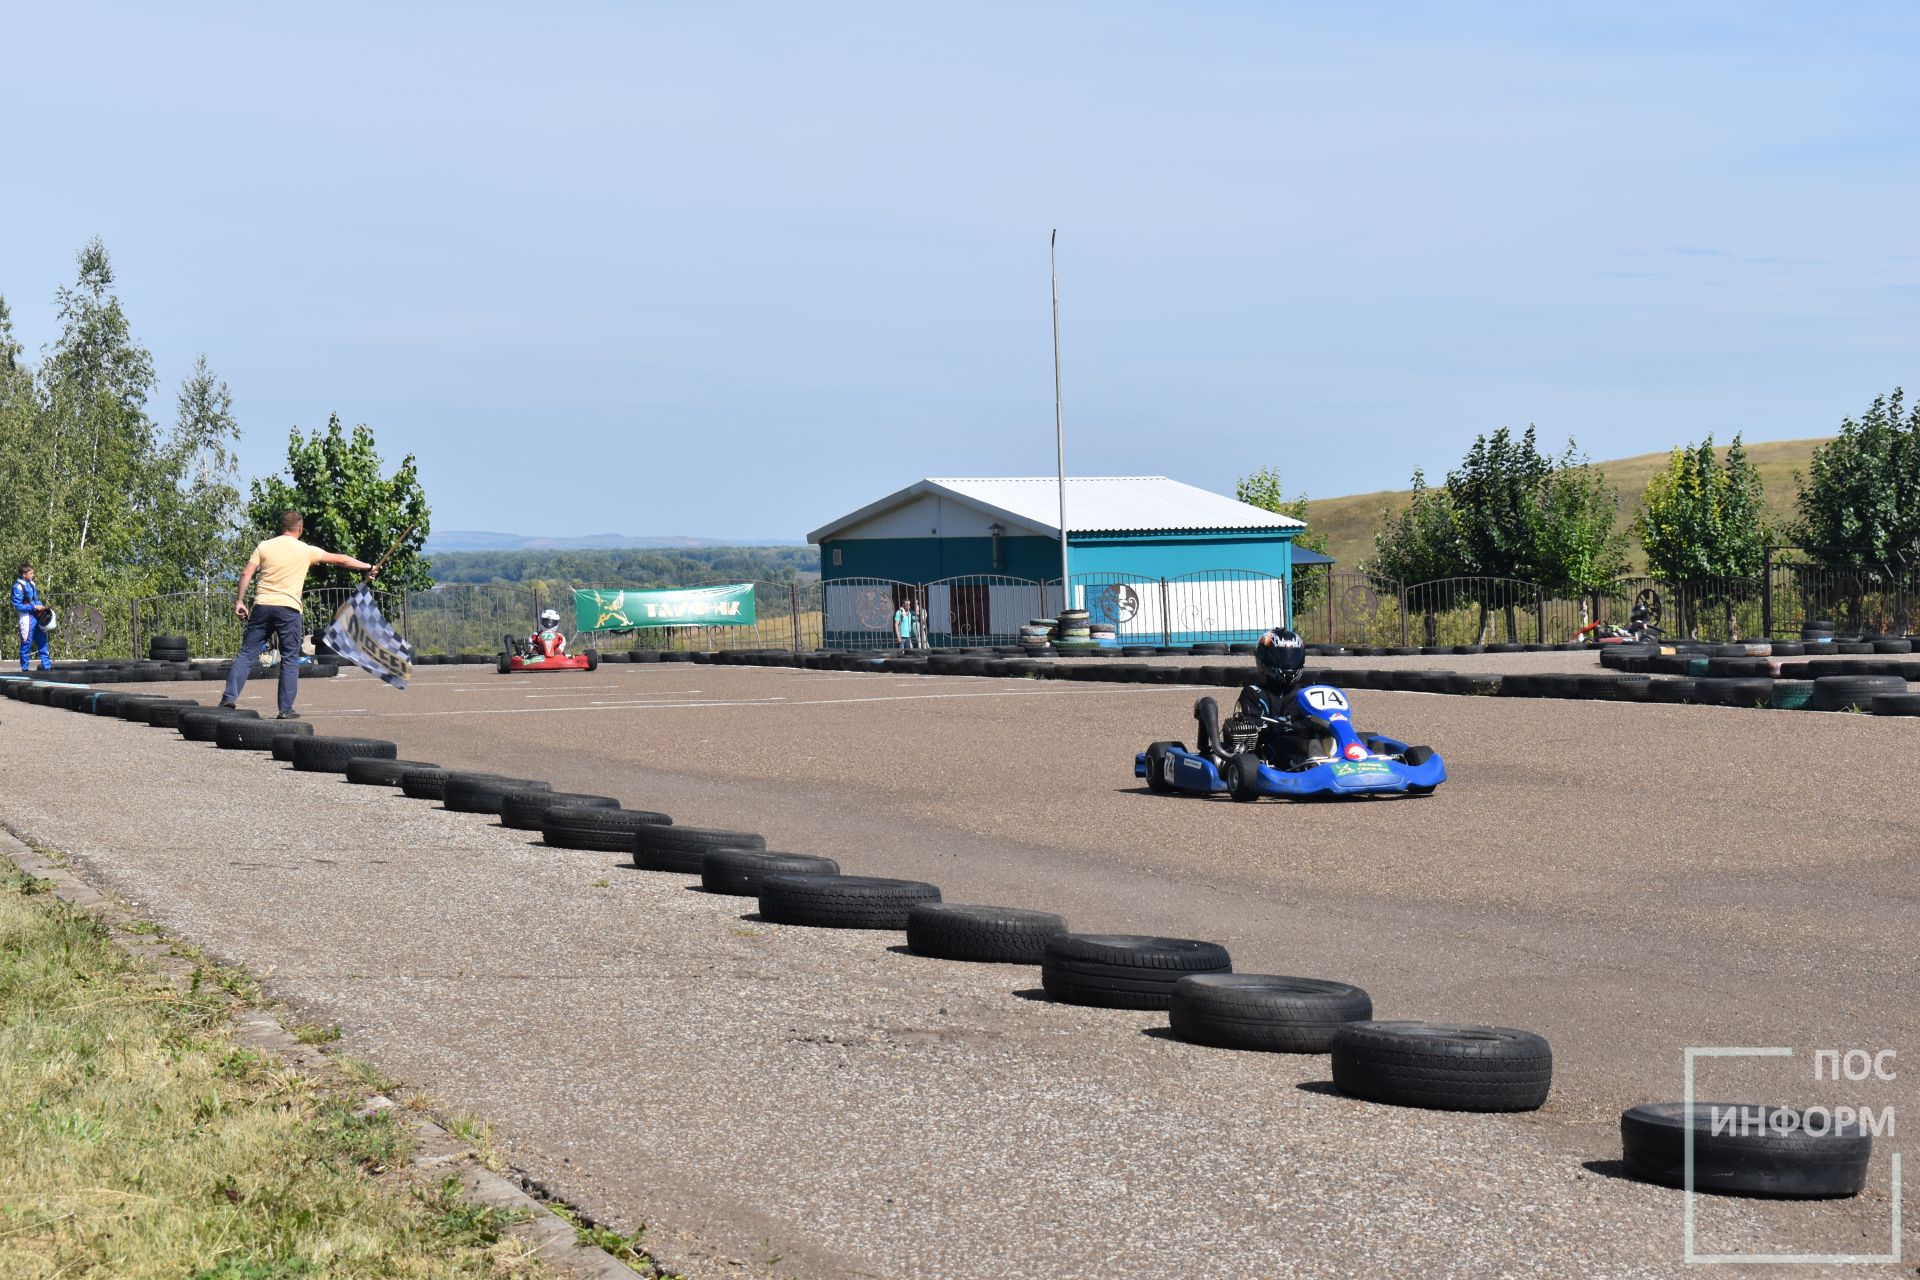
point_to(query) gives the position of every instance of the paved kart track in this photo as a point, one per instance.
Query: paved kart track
(1625, 879)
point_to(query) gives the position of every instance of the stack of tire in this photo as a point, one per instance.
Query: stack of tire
(1073, 631)
(167, 649)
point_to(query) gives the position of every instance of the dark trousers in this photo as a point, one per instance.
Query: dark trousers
(263, 621)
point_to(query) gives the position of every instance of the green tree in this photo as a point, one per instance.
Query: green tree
(196, 519)
(1859, 503)
(1701, 524)
(1263, 489)
(336, 480)
(97, 441)
(1581, 548)
(1422, 543)
(19, 419)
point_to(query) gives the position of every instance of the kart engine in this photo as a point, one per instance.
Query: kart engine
(1240, 733)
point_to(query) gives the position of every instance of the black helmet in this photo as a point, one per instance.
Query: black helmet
(1280, 652)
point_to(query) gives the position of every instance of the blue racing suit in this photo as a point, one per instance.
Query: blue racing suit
(33, 637)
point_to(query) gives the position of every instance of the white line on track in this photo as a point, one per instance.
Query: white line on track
(1107, 691)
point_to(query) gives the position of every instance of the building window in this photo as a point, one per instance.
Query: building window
(836, 557)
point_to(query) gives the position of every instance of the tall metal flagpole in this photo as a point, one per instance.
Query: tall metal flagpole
(1059, 421)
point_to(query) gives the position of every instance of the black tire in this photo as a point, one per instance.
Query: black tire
(1896, 704)
(842, 902)
(523, 810)
(1156, 768)
(281, 748)
(1124, 971)
(1259, 1011)
(593, 659)
(145, 712)
(330, 755)
(199, 726)
(369, 772)
(1838, 693)
(504, 664)
(166, 715)
(664, 847)
(990, 935)
(133, 708)
(465, 793)
(237, 733)
(1745, 1158)
(594, 827)
(426, 784)
(1442, 1067)
(739, 871)
(1243, 777)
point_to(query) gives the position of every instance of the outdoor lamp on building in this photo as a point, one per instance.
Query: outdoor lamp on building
(994, 531)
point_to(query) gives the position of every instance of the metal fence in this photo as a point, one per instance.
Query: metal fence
(1220, 606)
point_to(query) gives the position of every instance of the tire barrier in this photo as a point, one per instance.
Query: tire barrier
(1750, 1149)
(465, 793)
(842, 902)
(330, 755)
(596, 827)
(200, 726)
(1442, 1066)
(739, 872)
(371, 771)
(238, 733)
(1124, 971)
(683, 850)
(426, 784)
(991, 935)
(1263, 1012)
(523, 810)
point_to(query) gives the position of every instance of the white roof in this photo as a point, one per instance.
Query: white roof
(1095, 504)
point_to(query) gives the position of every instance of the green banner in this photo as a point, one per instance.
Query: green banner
(728, 606)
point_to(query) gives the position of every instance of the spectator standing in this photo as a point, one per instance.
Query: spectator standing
(282, 565)
(903, 626)
(28, 607)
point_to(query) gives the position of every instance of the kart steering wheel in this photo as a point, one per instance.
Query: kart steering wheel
(1649, 599)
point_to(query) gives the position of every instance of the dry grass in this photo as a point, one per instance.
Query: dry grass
(138, 1140)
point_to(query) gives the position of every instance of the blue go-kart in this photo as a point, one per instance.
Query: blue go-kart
(1295, 745)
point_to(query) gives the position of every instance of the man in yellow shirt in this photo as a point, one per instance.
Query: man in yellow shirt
(282, 565)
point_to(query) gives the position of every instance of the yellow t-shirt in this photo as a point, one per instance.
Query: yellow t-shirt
(284, 562)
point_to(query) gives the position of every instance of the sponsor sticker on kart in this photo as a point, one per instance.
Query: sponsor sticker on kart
(1354, 768)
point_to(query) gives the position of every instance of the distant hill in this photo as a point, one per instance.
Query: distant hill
(474, 540)
(1350, 522)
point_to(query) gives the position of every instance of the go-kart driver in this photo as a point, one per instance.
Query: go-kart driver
(1279, 659)
(547, 642)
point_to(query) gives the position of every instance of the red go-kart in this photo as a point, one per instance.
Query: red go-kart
(520, 656)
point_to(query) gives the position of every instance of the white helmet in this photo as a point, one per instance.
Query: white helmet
(549, 618)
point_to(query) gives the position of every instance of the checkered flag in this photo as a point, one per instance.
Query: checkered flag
(362, 635)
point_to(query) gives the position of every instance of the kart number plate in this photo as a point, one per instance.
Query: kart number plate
(1323, 697)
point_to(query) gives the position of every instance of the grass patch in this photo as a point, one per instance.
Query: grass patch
(138, 1140)
(314, 1032)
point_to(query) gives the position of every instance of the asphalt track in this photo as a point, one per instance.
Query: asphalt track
(1627, 880)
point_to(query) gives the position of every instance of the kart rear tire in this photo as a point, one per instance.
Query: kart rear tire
(1243, 777)
(1156, 768)
(1123, 971)
(593, 659)
(990, 935)
(842, 902)
(1748, 1159)
(504, 664)
(1442, 1067)
(1264, 1012)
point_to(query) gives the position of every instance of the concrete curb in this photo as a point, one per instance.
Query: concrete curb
(552, 1238)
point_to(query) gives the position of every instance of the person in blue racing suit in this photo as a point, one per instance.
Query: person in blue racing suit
(30, 610)
(1263, 715)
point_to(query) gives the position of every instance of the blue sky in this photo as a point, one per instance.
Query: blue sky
(732, 270)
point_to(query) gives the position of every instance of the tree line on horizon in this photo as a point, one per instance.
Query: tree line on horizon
(106, 501)
(1511, 510)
